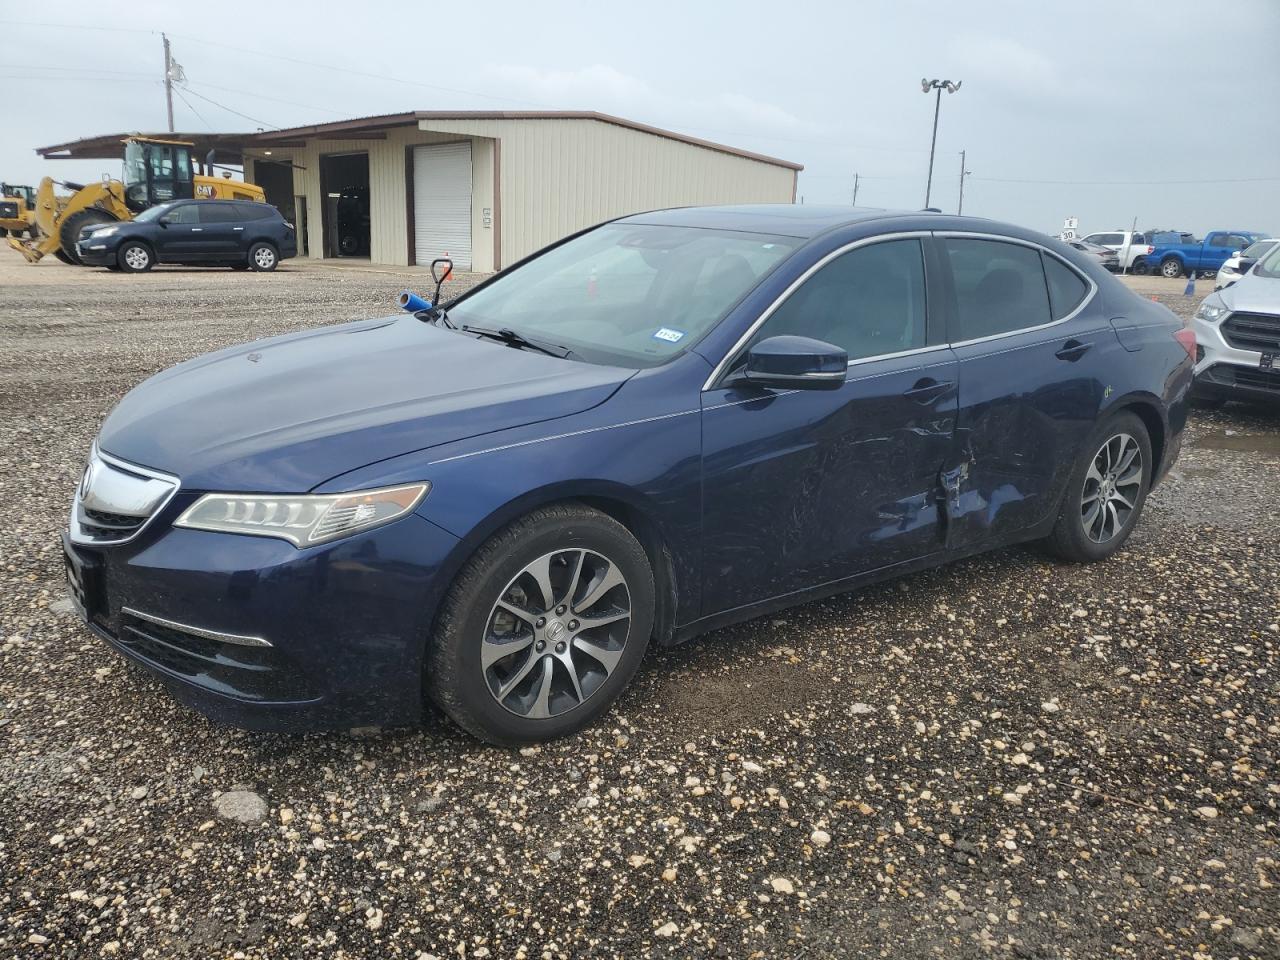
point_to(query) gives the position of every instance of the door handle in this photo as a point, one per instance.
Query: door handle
(1072, 350)
(237, 228)
(927, 390)
(197, 229)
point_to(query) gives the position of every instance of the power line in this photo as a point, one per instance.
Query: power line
(223, 106)
(35, 66)
(1131, 183)
(182, 97)
(204, 85)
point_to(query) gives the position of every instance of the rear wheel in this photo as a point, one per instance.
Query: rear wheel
(543, 628)
(1171, 268)
(135, 257)
(1106, 491)
(263, 257)
(1139, 268)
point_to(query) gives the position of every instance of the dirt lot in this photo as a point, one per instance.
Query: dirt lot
(1006, 756)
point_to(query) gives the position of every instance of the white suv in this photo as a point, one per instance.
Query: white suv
(1238, 336)
(1129, 246)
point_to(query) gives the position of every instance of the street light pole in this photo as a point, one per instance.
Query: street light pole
(939, 86)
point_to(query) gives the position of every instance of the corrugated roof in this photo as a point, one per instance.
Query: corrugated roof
(230, 146)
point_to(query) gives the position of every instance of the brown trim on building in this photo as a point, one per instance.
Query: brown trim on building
(497, 204)
(408, 208)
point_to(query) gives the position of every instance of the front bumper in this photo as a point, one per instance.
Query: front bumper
(96, 253)
(1226, 371)
(341, 627)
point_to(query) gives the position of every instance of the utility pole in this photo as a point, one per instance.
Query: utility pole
(963, 173)
(168, 80)
(939, 86)
(855, 190)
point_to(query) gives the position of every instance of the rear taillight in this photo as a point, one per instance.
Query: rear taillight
(1151, 250)
(1187, 337)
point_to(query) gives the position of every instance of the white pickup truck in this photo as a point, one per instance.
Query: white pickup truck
(1129, 247)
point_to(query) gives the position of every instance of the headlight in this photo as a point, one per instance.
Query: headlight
(302, 520)
(104, 232)
(1212, 312)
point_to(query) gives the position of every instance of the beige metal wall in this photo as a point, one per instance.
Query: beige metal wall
(560, 175)
(555, 176)
(388, 196)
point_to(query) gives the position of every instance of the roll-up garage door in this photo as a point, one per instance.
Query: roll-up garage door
(442, 203)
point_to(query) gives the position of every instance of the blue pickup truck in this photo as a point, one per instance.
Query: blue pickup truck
(1173, 257)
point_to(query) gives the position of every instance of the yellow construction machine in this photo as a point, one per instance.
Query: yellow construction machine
(155, 171)
(17, 209)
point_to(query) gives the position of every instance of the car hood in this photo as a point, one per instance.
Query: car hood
(286, 414)
(1252, 294)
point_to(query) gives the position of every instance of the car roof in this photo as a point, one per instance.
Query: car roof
(807, 221)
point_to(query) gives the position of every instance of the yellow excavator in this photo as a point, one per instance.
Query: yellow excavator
(17, 209)
(155, 171)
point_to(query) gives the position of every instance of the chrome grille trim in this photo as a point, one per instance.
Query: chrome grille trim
(111, 493)
(203, 632)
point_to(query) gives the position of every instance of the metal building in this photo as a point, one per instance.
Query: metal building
(487, 188)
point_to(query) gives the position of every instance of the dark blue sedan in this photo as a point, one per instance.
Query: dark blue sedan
(665, 424)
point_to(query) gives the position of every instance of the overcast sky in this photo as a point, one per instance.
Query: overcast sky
(1102, 105)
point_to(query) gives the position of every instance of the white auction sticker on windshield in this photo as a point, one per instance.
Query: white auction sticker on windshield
(669, 335)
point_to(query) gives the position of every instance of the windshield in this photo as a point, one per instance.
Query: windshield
(1269, 266)
(628, 294)
(154, 213)
(1258, 249)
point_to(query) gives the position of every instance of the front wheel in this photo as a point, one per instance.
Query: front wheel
(263, 257)
(135, 257)
(543, 628)
(1106, 491)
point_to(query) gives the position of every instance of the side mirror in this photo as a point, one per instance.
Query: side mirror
(796, 363)
(163, 221)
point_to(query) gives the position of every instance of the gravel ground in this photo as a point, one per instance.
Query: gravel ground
(1006, 756)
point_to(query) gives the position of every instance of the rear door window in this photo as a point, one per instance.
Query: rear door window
(999, 287)
(219, 212)
(1067, 289)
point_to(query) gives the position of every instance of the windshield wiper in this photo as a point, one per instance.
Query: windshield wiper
(518, 340)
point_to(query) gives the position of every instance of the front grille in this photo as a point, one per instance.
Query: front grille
(109, 526)
(116, 499)
(1252, 331)
(1251, 378)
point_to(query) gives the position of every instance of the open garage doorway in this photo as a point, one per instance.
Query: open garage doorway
(344, 183)
(276, 181)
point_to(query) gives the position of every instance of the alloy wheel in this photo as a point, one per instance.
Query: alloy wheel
(556, 633)
(264, 257)
(137, 258)
(1112, 487)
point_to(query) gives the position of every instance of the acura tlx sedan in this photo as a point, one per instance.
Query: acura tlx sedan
(658, 426)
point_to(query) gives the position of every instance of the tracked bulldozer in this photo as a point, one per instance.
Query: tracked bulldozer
(155, 171)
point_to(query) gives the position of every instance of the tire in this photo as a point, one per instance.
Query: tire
(113, 267)
(1139, 268)
(1171, 268)
(466, 678)
(134, 256)
(263, 257)
(349, 244)
(1073, 537)
(61, 255)
(69, 229)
